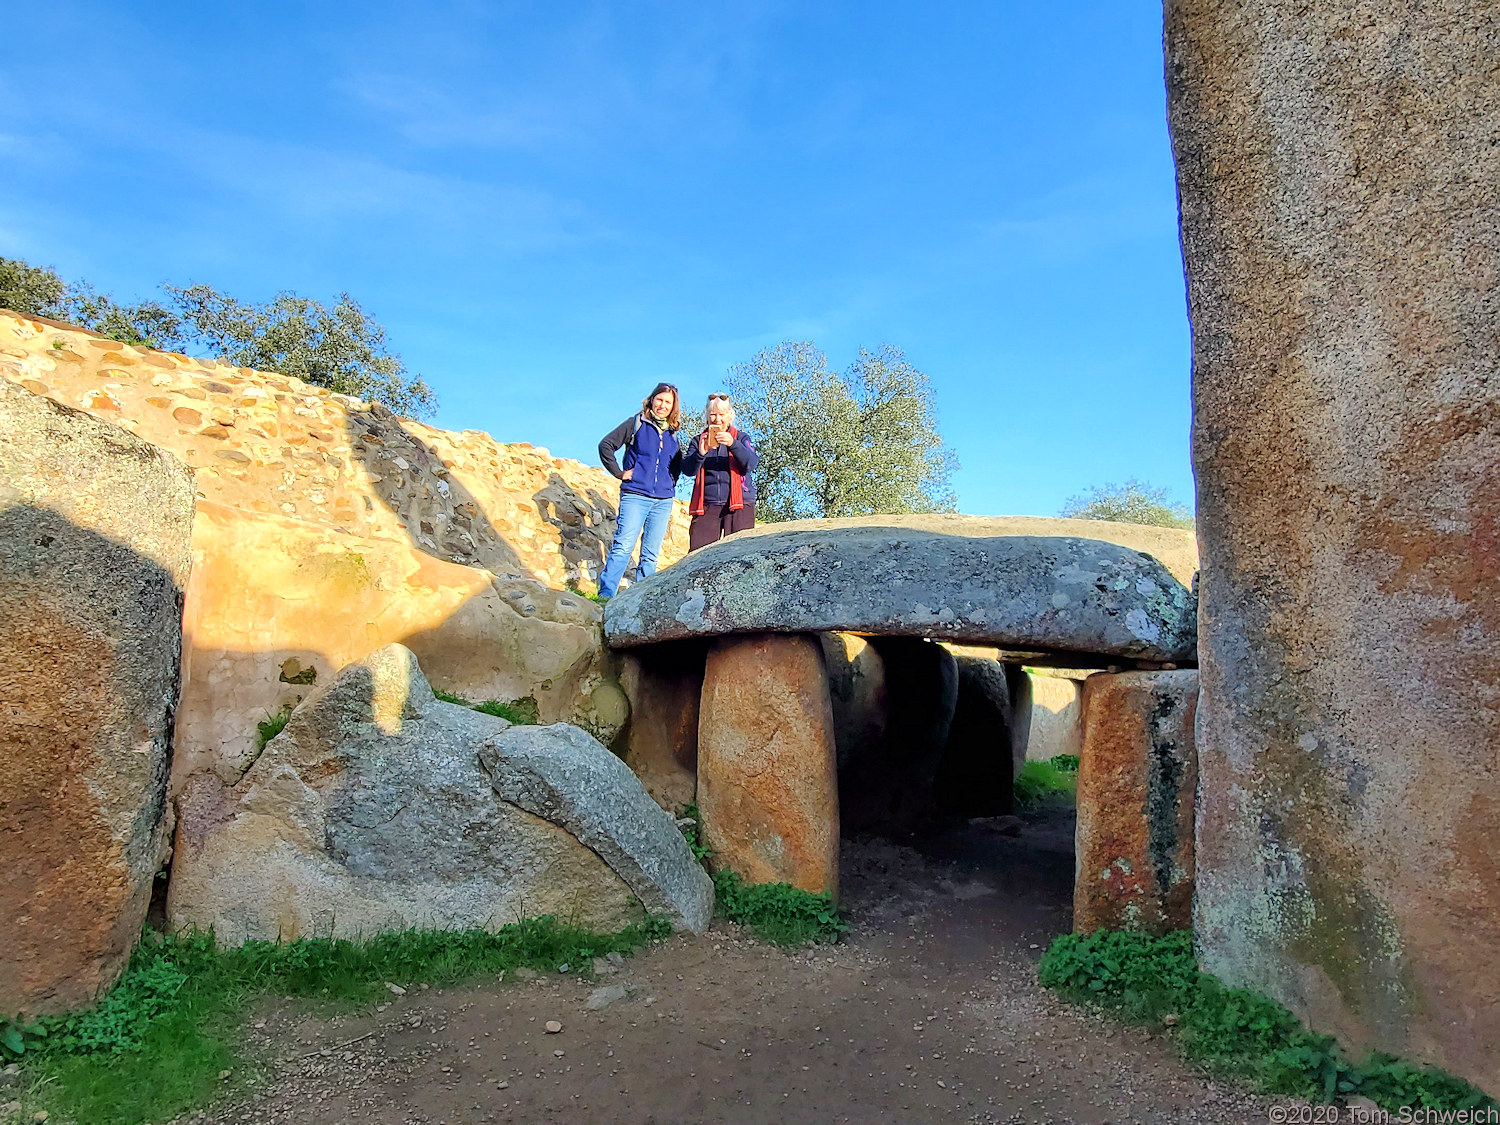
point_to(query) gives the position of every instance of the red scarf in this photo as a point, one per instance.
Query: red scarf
(699, 505)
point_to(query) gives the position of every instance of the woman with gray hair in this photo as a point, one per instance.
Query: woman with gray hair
(721, 461)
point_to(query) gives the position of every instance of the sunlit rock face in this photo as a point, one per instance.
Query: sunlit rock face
(380, 807)
(1341, 229)
(767, 775)
(328, 527)
(95, 534)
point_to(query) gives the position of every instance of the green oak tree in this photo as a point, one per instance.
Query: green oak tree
(861, 441)
(337, 346)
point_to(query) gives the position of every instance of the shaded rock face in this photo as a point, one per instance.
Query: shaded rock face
(1341, 233)
(892, 789)
(767, 781)
(977, 773)
(857, 688)
(95, 527)
(329, 527)
(1137, 773)
(380, 807)
(1057, 596)
(664, 684)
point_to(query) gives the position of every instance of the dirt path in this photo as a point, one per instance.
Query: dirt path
(929, 1011)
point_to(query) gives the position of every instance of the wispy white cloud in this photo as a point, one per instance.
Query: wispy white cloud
(1074, 220)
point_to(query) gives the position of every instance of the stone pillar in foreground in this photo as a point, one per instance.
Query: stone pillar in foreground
(767, 784)
(95, 535)
(1337, 167)
(1137, 771)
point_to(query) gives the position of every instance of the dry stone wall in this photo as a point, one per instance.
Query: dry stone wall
(1336, 167)
(328, 527)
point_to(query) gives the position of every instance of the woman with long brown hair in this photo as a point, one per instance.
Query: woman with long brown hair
(648, 483)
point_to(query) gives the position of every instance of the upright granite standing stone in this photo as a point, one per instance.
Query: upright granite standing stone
(767, 785)
(895, 789)
(1137, 772)
(977, 773)
(1337, 168)
(857, 689)
(95, 533)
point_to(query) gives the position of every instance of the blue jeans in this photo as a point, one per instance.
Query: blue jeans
(637, 513)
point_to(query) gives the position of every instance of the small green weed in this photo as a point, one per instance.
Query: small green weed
(1233, 1031)
(273, 726)
(778, 912)
(1047, 783)
(17, 1035)
(693, 834)
(156, 1044)
(1068, 763)
(523, 712)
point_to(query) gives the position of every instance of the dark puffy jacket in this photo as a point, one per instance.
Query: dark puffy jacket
(716, 467)
(652, 456)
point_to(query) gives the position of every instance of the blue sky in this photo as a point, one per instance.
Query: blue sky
(550, 206)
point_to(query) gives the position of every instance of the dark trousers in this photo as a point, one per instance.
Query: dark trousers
(718, 521)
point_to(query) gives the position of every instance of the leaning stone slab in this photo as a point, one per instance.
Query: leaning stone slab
(1064, 596)
(380, 807)
(563, 775)
(95, 533)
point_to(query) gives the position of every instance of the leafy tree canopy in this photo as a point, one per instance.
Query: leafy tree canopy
(338, 347)
(858, 442)
(1131, 502)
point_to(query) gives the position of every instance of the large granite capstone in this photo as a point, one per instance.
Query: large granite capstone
(1056, 598)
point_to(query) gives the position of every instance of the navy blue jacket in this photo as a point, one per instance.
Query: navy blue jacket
(716, 467)
(652, 456)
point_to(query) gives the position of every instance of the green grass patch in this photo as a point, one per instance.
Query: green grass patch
(273, 725)
(523, 712)
(156, 1044)
(1155, 981)
(1052, 782)
(778, 912)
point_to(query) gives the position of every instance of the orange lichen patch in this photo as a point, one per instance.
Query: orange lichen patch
(1136, 777)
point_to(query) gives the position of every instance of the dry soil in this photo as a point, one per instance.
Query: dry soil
(928, 1011)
